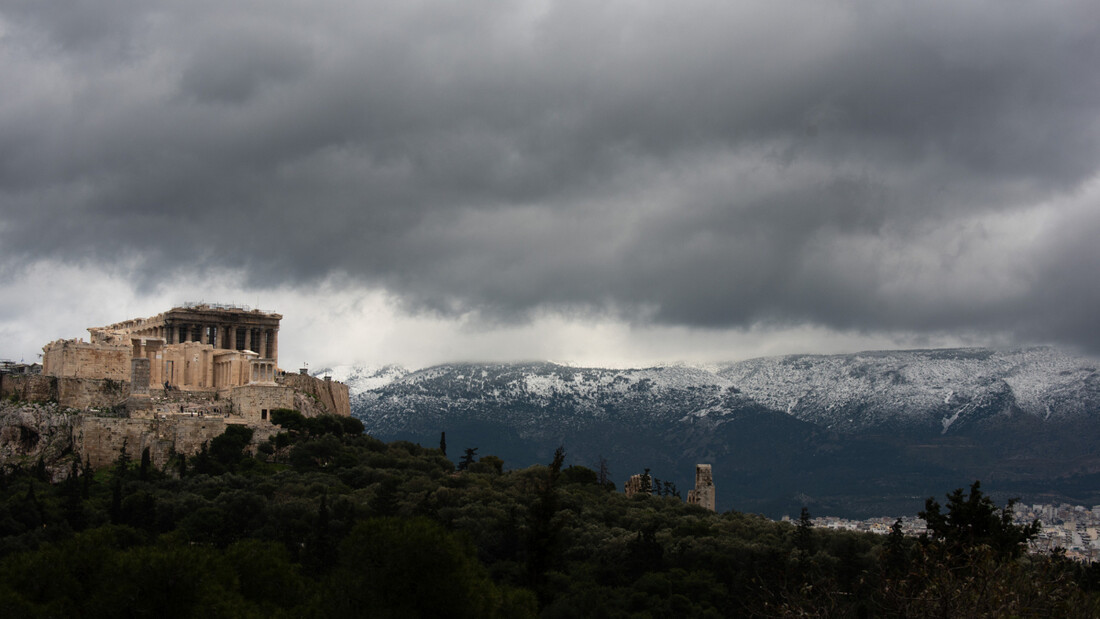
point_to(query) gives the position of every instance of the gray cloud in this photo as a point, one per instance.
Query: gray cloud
(854, 165)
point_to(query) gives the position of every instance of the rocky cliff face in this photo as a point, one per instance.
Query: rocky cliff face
(33, 432)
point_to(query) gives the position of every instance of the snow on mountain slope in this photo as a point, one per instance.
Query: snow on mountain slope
(537, 398)
(855, 427)
(364, 378)
(931, 389)
(921, 387)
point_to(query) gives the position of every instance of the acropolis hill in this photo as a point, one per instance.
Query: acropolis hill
(169, 383)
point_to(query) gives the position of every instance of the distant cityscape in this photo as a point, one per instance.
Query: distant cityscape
(1075, 528)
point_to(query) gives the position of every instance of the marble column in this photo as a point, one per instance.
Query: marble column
(248, 338)
(274, 352)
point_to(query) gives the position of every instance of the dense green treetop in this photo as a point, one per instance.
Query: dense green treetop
(326, 521)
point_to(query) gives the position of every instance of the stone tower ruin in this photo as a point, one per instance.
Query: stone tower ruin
(703, 494)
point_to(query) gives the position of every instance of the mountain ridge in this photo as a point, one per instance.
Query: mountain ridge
(826, 426)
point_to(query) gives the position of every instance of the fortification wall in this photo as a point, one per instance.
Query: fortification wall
(92, 393)
(332, 395)
(100, 439)
(29, 387)
(76, 359)
(66, 391)
(255, 402)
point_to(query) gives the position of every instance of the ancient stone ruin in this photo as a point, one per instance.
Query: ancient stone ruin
(637, 483)
(170, 382)
(703, 494)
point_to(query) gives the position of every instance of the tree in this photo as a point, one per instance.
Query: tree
(86, 477)
(122, 463)
(643, 553)
(391, 567)
(894, 554)
(492, 461)
(671, 489)
(559, 459)
(384, 502)
(574, 474)
(974, 520)
(74, 502)
(804, 534)
(467, 458)
(603, 473)
(443, 443)
(146, 462)
(542, 529)
(320, 551)
(228, 448)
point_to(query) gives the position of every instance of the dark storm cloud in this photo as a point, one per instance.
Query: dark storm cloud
(856, 165)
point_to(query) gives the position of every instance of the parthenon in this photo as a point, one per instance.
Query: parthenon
(225, 327)
(197, 346)
(173, 381)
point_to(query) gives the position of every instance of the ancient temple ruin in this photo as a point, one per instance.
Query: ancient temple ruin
(197, 346)
(703, 494)
(171, 383)
(222, 357)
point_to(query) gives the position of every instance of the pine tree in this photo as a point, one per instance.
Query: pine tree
(122, 463)
(559, 460)
(671, 490)
(972, 520)
(443, 443)
(467, 458)
(543, 531)
(603, 473)
(894, 552)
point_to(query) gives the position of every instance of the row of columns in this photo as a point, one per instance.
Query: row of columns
(226, 373)
(263, 372)
(264, 341)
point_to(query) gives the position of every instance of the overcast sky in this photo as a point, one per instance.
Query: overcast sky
(596, 182)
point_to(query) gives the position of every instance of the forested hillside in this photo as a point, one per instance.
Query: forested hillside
(325, 521)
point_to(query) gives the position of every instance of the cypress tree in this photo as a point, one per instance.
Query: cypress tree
(804, 535)
(146, 462)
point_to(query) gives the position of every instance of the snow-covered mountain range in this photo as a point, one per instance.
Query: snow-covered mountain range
(361, 378)
(785, 422)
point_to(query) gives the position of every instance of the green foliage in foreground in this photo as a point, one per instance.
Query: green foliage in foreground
(328, 522)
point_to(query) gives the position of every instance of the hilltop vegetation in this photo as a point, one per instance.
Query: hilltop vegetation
(327, 521)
